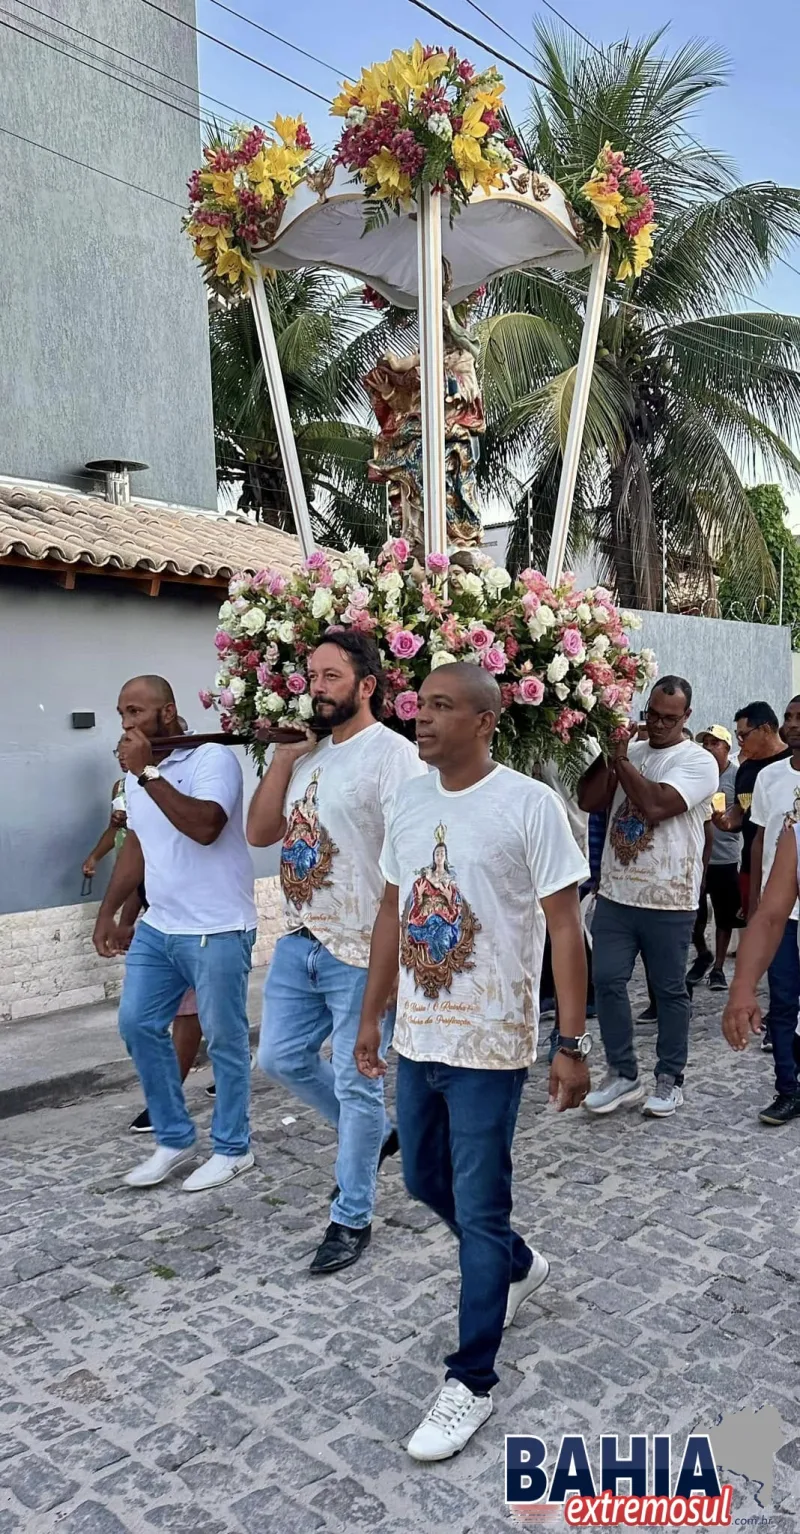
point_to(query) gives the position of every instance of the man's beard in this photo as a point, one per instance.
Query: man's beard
(335, 714)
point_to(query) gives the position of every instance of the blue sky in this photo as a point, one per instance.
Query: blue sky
(756, 119)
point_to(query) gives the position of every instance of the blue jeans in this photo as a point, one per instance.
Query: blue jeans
(160, 967)
(784, 1001)
(619, 934)
(456, 1126)
(310, 996)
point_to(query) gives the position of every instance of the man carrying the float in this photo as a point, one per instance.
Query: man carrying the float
(478, 861)
(326, 801)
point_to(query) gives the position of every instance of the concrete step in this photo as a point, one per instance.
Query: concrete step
(46, 1062)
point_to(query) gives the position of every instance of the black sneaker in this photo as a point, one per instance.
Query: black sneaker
(717, 981)
(390, 1147)
(649, 1015)
(141, 1125)
(341, 1247)
(211, 1089)
(701, 966)
(781, 1111)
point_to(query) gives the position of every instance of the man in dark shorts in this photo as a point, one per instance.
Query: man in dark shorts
(721, 880)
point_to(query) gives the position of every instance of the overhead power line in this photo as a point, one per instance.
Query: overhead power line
(221, 43)
(340, 73)
(84, 165)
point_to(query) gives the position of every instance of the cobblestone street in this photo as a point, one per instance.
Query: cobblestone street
(168, 1363)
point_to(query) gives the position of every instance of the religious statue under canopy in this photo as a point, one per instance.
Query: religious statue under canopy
(394, 389)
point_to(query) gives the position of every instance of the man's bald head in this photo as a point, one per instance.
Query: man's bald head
(147, 703)
(459, 706)
(157, 686)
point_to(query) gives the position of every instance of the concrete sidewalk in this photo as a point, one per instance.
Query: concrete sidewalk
(46, 1062)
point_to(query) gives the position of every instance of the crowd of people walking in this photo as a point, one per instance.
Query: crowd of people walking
(425, 889)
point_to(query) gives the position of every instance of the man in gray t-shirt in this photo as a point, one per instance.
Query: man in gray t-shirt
(721, 880)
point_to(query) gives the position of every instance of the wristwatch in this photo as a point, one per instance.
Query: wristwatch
(578, 1048)
(148, 775)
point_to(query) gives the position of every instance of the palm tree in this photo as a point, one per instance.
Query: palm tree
(326, 342)
(689, 391)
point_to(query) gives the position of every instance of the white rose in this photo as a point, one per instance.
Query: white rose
(471, 585)
(558, 668)
(585, 693)
(441, 658)
(305, 705)
(583, 612)
(547, 616)
(222, 678)
(238, 687)
(358, 558)
(286, 632)
(240, 605)
(254, 621)
(496, 579)
(321, 603)
(343, 577)
(630, 620)
(225, 615)
(274, 704)
(561, 692)
(536, 628)
(600, 615)
(599, 647)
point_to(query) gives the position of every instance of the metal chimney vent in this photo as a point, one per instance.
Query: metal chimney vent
(116, 472)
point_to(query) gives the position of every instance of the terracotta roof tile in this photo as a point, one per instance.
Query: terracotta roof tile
(78, 529)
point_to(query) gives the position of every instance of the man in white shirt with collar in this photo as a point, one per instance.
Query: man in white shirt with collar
(186, 842)
(327, 803)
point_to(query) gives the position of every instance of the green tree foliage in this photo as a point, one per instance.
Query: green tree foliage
(769, 509)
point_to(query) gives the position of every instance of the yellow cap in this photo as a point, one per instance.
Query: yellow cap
(719, 732)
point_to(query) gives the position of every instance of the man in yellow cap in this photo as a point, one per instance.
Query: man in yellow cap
(721, 879)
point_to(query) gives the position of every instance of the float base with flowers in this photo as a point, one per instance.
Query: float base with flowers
(561, 656)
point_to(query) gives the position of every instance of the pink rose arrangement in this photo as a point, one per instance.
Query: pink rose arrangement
(561, 656)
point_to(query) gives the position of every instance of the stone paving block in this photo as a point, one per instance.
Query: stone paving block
(305, 1419)
(9, 1522)
(350, 1504)
(217, 1422)
(211, 1482)
(92, 1518)
(36, 1483)
(339, 1387)
(178, 1348)
(278, 1459)
(612, 1298)
(243, 1383)
(268, 1511)
(85, 1452)
(10, 1446)
(288, 1363)
(185, 1518)
(243, 1336)
(572, 1380)
(138, 1486)
(169, 1446)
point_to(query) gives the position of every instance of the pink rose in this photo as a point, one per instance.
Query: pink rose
(511, 647)
(480, 637)
(397, 548)
(438, 564)
(296, 683)
(206, 698)
(571, 642)
(530, 690)
(316, 561)
(406, 705)
(251, 661)
(226, 698)
(405, 645)
(222, 641)
(494, 659)
(277, 584)
(610, 696)
(530, 603)
(364, 621)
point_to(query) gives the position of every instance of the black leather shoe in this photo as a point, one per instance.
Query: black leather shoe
(782, 1111)
(341, 1247)
(390, 1147)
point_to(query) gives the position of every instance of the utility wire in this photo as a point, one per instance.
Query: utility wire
(84, 165)
(340, 73)
(220, 42)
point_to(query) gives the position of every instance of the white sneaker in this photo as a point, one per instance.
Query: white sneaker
(615, 1092)
(666, 1098)
(450, 1423)
(218, 1170)
(158, 1167)
(538, 1274)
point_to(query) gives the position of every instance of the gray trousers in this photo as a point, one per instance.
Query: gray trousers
(619, 934)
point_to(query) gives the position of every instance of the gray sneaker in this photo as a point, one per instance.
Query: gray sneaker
(664, 1100)
(613, 1093)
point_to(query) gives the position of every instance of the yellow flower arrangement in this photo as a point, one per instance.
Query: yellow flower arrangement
(619, 198)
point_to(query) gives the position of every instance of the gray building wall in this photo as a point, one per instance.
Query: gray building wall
(728, 664)
(103, 333)
(66, 651)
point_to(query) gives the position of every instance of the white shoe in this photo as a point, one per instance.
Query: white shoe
(666, 1098)
(538, 1274)
(450, 1423)
(614, 1092)
(158, 1167)
(218, 1170)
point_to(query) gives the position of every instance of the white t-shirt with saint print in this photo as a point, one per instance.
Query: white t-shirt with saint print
(660, 866)
(472, 868)
(335, 812)
(776, 805)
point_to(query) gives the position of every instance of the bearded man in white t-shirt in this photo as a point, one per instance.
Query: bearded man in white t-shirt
(326, 801)
(659, 792)
(479, 862)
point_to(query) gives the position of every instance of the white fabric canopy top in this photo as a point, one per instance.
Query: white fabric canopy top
(496, 232)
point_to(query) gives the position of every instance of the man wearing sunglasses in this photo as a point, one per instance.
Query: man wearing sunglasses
(659, 793)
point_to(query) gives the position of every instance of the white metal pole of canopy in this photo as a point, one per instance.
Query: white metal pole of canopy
(526, 224)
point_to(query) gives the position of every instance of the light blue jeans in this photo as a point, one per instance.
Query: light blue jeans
(310, 996)
(160, 967)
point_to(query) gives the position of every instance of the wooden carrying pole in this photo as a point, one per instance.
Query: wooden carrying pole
(577, 415)
(280, 410)
(431, 350)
